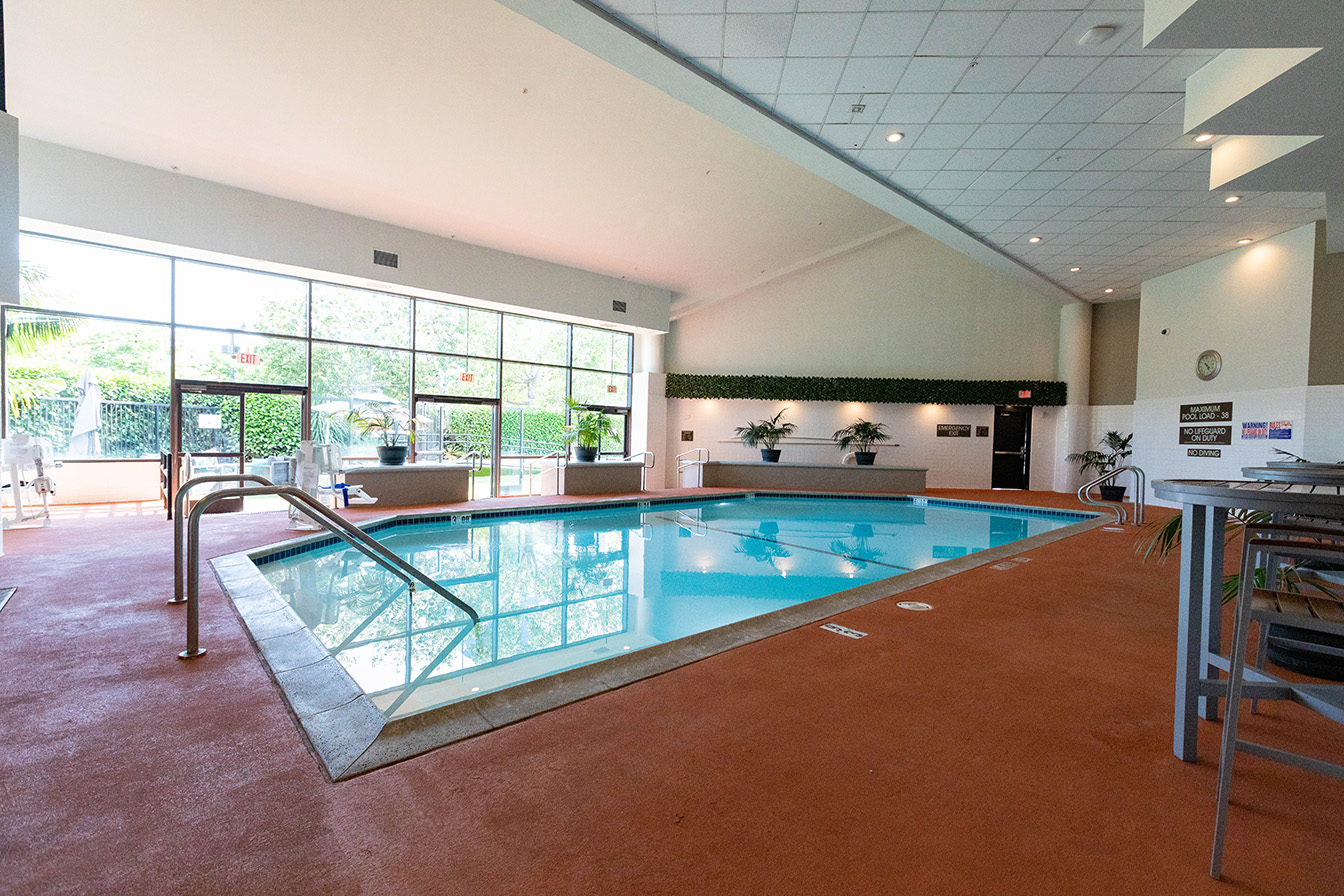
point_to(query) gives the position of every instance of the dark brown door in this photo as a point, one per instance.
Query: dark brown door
(1012, 447)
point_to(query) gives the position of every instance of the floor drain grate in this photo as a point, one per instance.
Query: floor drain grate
(914, 605)
(841, 630)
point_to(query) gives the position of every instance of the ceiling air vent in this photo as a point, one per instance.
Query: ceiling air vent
(386, 259)
(617, 306)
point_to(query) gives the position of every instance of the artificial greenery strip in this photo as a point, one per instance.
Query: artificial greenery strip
(883, 390)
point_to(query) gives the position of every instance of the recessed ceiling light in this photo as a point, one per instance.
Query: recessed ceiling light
(1075, 270)
(1232, 199)
(1203, 138)
(1242, 242)
(895, 137)
(1108, 290)
(1098, 35)
(1034, 239)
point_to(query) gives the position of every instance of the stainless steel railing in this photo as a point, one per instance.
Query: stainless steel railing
(695, 457)
(1121, 514)
(179, 505)
(649, 464)
(352, 535)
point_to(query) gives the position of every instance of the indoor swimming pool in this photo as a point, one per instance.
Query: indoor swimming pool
(560, 588)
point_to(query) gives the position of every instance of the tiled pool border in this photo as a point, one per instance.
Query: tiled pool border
(350, 736)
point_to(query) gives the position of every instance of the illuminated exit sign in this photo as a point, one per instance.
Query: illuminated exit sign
(611, 388)
(1023, 393)
(247, 358)
(467, 377)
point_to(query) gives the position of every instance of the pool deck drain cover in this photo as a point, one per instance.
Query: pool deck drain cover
(914, 605)
(841, 630)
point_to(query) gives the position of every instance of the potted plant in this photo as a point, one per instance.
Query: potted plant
(863, 435)
(386, 422)
(586, 432)
(1112, 449)
(766, 434)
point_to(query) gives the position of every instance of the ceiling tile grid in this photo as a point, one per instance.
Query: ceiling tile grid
(1011, 127)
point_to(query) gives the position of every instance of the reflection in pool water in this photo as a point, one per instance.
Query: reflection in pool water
(557, 591)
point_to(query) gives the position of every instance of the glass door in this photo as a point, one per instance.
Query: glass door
(460, 431)
(225, 428)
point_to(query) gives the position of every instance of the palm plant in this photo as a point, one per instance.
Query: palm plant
(765, 433)
(588, 427)
(863, 435)
(381, 421)
(31, 335)
(1113, 449)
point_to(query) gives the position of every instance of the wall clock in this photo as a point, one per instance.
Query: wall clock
(1208, 364)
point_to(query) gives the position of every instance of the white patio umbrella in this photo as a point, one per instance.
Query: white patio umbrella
(84, 436)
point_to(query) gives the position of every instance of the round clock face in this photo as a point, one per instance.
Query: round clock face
(1208, 364)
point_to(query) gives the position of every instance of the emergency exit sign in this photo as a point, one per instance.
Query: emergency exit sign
(467, 377)
(247, 358)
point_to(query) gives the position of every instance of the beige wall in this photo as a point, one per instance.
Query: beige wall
(1115, 352)
(1326, 365)
(904, 306)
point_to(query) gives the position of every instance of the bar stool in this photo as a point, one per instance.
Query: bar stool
(1274, 544)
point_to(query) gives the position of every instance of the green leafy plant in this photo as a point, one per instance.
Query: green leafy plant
(1163, 538)
(765, 433)
(588, 427)
(379, 421)
(878, 390)
(1113, 448)
(861, 434)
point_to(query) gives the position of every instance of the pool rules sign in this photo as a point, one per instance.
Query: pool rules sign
(1204, 425)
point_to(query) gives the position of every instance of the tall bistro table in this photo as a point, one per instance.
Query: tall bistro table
(1204, 507)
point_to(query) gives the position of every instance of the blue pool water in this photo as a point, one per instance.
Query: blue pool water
(556, 590)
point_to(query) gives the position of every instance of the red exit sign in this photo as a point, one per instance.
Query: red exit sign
(611, 388)
(247, 358)
(1023, 393)
(467, 377)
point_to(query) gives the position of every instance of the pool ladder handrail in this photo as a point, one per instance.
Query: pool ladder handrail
(1121, 514)
(558, 456)
(649, 465)
(699, 457)
(352, 535)
(477, 460)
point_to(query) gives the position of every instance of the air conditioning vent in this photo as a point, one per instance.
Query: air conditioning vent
(617, 306)
(386, 259)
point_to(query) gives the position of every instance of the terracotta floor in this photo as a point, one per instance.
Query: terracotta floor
(1016, 740)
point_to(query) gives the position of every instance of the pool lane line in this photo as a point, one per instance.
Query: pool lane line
(787, 544)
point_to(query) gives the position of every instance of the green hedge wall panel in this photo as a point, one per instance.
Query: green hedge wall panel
(877, 390)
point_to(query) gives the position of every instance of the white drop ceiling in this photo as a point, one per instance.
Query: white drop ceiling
(1012, 128)
(698, 145)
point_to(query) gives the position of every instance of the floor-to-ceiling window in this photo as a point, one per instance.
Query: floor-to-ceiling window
(101, 334)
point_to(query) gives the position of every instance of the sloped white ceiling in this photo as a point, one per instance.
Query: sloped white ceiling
(459, 118)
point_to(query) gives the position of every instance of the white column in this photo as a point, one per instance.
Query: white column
(1074, 367)
(9, 222)
(648, 406)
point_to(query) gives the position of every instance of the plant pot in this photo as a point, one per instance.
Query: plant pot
(1112, 493)
(392, 455)
(585, 455)
(865, 458)
(770, 455)
(1300, 657)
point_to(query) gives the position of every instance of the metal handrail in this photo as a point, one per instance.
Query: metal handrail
(179, 505)
(701, 457)
(1121, 515)
(559, 458)
(477, 460)
(352, 535)
(652, 462)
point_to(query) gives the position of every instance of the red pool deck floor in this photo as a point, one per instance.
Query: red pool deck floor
(1015, 740)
